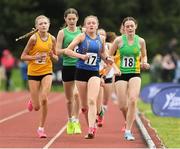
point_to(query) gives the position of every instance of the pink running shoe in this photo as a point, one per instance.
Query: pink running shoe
(91, 133)
(29, 105)
(41, 134)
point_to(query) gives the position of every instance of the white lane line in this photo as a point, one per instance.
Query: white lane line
(13, 116)
(24, 111)
(12, 100)
(54, 138)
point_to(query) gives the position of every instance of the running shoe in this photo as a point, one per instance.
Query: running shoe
(91, 133)
(29, 105)
(77, 128)
(70, 128)
(100, 120)
(41, 134)
(129, 136)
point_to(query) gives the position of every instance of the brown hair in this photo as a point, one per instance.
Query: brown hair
(71, 11)
(111, 36)
(128, 19)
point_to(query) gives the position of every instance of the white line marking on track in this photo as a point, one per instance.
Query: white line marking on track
(54, 138)
(23, 112)
(13, 116)
(23, 97)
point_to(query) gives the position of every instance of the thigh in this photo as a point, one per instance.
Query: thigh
(82, 90)
(134, 87)
(46, 83)
(121, 88)
(68, 88)
(93, 87)
(34, 88)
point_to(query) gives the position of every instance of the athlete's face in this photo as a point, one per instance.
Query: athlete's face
(130, 27)
(71, 20)
(43, 25)
(91, 25)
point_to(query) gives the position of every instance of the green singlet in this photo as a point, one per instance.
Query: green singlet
(68, 38)
(129, 56)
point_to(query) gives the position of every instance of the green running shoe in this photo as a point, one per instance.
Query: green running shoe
(77, 128)
(70, 128)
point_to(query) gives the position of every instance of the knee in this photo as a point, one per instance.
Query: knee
(132, 101)
(44, 102)
(91, 102)
(69, 101)
(76, 95)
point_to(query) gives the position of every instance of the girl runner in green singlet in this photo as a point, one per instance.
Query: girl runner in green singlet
(133, 56)
(64, 38)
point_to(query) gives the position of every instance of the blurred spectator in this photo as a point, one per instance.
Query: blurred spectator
(177, 71)
(155, 69)
(23, 68)
(7, 62)
(168, 68)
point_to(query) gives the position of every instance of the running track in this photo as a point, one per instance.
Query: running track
(18, 126)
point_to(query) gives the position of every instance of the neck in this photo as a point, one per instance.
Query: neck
(71, 29)
(130, 37)
(92, 35)
(43, 35)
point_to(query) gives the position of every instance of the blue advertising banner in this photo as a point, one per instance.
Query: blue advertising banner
(167, 102)
(149, 91)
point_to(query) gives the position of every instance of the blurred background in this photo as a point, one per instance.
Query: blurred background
(158, 24)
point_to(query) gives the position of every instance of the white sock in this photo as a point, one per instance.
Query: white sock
(105, 108)
(127, 131)
(41, 128)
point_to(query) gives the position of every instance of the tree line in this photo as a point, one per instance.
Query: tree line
(158, 20)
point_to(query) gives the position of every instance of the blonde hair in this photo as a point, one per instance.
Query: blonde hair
(91, 16)
(40, 17)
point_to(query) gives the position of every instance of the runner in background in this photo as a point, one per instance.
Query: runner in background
(64, 38)
(106, 73)
(39, 52)
(133, 56)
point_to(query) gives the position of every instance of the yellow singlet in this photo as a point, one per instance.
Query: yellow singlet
(43, 66)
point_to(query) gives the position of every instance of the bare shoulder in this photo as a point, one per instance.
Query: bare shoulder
(141, 40)
(61, 31)
(53, 38)
(118, 40)
(32, 39)
(81, 37)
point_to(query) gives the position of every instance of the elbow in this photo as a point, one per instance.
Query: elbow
(22, 57)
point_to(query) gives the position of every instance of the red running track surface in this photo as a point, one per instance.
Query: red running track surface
(18, 126)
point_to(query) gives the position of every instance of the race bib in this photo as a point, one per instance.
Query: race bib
(128, 62)
(42, 59)
(92, 59)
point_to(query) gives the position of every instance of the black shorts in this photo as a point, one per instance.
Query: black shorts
(38, 78)
(108, 80)
(127, 77)
(85, 75)
(68, 73)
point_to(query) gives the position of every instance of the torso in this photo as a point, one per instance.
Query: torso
(44, 66)
(129, 56)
